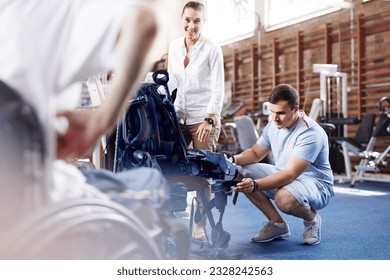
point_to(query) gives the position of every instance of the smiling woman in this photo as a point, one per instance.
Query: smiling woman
(196, 70)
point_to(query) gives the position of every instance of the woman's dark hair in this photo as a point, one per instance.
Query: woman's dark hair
(284, 92)
(194, 5)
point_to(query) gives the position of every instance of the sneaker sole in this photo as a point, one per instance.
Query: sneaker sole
(282, 236)
(312, 244)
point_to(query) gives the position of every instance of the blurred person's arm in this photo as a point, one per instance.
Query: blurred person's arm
(85, 127)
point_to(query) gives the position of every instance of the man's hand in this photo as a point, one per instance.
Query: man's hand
(228, 156)
(246, 185)
(81, 135)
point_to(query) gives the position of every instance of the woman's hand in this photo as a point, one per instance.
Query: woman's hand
(204, 131)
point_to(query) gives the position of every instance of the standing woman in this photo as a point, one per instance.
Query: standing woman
(196, 70)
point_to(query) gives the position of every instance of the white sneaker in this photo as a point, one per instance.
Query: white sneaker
(312, 232)
(271, 231)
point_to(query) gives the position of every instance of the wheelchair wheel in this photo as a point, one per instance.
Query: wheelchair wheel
(82, 229)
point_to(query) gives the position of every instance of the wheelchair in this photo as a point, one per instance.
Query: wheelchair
(84, 228)
(80, 229)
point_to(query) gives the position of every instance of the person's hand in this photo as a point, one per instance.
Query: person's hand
(246, 185)
(81, 135)
(228, 156)
(204, 131)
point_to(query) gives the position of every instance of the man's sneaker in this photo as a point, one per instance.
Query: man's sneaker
(312, 232)
(272, 231)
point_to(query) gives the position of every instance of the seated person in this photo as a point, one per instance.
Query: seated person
(45, 55)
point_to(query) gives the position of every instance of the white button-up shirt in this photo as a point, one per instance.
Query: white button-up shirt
(200, 85)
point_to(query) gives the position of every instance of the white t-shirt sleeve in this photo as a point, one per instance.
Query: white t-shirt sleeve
(91, 46)
(92, 40)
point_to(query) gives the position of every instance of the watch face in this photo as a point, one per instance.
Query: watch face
(209, 120)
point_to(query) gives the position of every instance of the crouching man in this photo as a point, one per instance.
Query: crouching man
(301, 180)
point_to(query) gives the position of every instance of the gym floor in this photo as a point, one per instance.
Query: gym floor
(355, 226)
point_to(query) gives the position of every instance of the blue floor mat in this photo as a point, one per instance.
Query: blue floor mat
(355, 226)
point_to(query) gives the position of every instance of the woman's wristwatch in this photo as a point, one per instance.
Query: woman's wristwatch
(255, 186)
(209, 120)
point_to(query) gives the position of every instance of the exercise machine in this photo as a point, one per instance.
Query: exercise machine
(373, 161)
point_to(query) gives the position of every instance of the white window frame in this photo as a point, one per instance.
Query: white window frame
(226, 24)
(225, 29)
(320, 7)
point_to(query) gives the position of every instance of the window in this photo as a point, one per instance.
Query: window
(281, 13)
(230, 20)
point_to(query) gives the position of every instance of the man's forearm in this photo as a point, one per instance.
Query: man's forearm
(136, 37)
(246, 157)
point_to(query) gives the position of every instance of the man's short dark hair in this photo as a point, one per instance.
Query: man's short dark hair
(194, 5)
(284, 92)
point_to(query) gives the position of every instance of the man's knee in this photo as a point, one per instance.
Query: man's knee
(285, 201)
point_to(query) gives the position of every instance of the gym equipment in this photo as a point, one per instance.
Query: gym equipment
(372, 161)
(236, 108)
(358, 144)
(333, 90)
(247, 133)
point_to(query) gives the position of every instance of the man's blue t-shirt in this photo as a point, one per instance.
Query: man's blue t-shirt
(306, 140)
